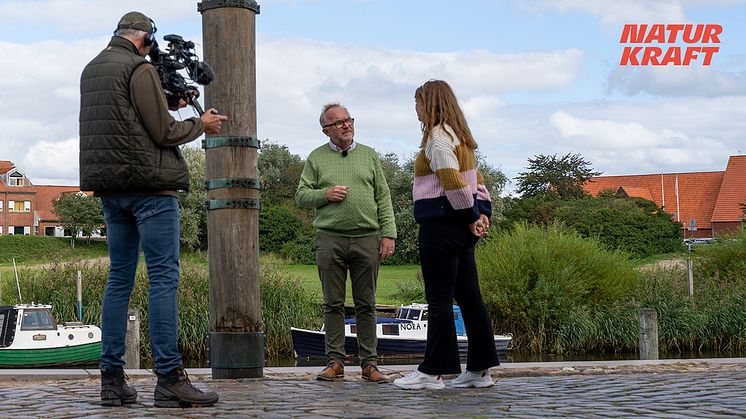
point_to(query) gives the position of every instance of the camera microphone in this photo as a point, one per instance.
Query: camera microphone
(344, 153)
(201, 72)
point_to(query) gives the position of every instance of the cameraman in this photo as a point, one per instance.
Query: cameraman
(129, 157)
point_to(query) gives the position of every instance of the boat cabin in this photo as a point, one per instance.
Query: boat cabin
(33, 318)
(8, 319)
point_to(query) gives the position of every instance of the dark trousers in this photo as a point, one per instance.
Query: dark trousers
(450, 272)
(335, 256)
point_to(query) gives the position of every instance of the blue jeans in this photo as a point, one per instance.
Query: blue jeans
(153, 223)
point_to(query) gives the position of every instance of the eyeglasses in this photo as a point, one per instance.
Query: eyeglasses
(341, 123)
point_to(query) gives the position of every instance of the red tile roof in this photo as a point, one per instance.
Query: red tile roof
(637, 192)
(5, 166)
(685, 196)
(732, 192)
(45, 194)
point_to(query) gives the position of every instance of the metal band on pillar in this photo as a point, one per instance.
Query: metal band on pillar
(235, 203)
(228, 141)
(227, 182)
(214, 4)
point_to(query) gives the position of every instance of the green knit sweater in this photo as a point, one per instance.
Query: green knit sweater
(366, 210)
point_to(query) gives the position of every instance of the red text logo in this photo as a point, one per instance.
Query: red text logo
(670, 44)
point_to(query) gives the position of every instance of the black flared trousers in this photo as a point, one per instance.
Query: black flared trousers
(450, 272)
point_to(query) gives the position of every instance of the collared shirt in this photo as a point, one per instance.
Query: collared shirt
(337, 149)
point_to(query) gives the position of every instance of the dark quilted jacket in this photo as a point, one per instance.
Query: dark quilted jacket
(116, 152)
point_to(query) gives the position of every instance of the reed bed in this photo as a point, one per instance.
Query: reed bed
(285, 302)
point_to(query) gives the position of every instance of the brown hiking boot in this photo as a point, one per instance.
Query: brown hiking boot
(175, 390)
(114, 388)
(334, 369)
(371, 373)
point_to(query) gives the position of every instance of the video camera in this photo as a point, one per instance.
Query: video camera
(179, 55)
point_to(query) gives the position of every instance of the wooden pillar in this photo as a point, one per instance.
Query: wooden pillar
(236, 338)
(648, 334)
(132, 340)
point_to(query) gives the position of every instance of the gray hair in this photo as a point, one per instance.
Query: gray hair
(130, 33)
(322, 119)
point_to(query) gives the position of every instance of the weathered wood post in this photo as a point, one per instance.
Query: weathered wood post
(132, 341)
(648, 334)
(690, 275)
(236, 338)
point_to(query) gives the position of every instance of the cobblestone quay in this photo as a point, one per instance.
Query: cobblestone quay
(670, 389)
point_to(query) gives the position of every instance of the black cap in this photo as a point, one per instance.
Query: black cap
(136, 20)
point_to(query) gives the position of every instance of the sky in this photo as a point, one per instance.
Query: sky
(532, 76)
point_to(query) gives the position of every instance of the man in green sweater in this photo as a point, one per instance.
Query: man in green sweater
(344, 182)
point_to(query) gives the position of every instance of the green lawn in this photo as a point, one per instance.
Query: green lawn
(34, 250)
(389, 279)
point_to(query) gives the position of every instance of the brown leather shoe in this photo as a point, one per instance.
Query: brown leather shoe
(371, 373)
(176, 390)
(333, 370)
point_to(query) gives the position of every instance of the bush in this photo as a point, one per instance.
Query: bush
(725, 259)
(278, 225)
(634, 225)
(534, 280)
(302, 250)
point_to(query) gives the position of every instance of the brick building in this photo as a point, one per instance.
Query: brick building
(26, 208)
(706, 203)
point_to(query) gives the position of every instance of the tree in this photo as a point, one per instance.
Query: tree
(279, 171)
(562, 177)
(192, 210)
(495, 181)
(79, 213)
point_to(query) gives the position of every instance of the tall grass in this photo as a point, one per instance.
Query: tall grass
(285, 302)
(535, 281)
(560, 293)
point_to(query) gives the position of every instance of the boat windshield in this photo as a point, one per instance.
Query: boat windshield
(403, 313)
(413, 314)
(38, 320)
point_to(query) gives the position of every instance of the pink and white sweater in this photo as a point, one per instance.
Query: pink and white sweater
(447, 181)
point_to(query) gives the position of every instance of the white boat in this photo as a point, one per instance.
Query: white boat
(31, 337)
(405, 335)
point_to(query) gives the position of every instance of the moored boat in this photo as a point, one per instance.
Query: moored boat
(31, 337)
(405, 335)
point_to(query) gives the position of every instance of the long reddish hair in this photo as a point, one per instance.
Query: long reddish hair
(439, 106)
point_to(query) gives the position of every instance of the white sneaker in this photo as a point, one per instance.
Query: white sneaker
(417, 380)
(468, 379)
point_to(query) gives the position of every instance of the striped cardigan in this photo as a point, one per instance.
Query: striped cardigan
(447, 181)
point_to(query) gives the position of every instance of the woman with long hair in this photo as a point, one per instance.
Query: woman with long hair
(452, 207)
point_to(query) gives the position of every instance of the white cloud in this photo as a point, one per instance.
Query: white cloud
(615, 146)
(52, 160)
(378, 86)
(693, 80)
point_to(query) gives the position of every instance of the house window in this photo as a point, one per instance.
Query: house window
(16, 179)
(1, 206)
(11, 229)
(19, 206)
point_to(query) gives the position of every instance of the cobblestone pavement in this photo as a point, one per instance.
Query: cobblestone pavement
(671, 391)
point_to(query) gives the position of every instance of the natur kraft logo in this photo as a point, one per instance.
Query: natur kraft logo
(670, 44)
